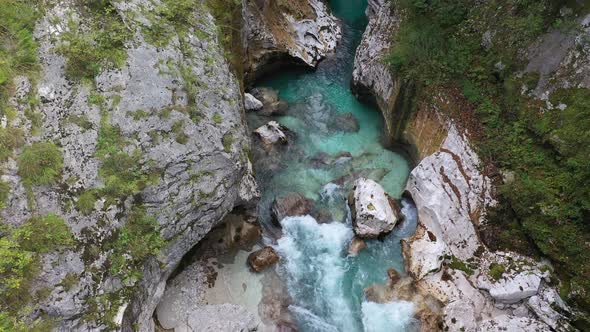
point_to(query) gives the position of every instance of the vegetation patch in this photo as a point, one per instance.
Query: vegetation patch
(496, 271)
(18, 50)
(40, 163)
(19, 264)
(99, 45)
(86, 201)
(458, 264)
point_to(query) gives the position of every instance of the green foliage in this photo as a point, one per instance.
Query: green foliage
(10, 139)
(4, 192)
(98, 46)
(458, 264)
(40, 163)
(19, 264)
(18, 50)
(217, 118)
(70, 281)
(44, 234)
(496, 271)
(86, 200)
(179, 134)
(134, 242)
(227, 140)
(440, 44)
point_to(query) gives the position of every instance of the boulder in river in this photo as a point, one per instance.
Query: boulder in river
(290, 205)
(271, 104)
(356, 245)
(271, 133)
(261, 259)
(251, 103)
(373, 212)
(346, 122)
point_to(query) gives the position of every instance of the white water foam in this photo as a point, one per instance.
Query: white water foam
(388, 317)
(315, 267)
(313, 256)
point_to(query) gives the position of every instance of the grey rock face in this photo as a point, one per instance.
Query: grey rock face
(199, 180)
(371, 75)
(299, 31)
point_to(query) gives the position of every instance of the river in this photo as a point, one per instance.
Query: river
(325, 284)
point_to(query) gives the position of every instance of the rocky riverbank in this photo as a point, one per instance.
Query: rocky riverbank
(479, 289)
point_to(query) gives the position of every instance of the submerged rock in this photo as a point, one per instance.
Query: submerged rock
(262, 259)
(373, 211)
(356, 245)
(290, 205)
(346, 122)
(251, 103)
(271, 104)
(271, 133)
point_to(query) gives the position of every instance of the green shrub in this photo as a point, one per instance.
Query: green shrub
(179, 134)
(134, 242)
(40, 163)
(10, 139)
(44, 234)
(457, 264)
(4, 192)
(86, 200)
(19, 264)
(99, 46)
(227, 141)
(18, 50)
(496, 271)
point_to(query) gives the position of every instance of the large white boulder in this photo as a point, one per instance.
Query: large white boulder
(373, 211)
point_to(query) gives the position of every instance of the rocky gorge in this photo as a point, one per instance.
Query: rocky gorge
(190, 196)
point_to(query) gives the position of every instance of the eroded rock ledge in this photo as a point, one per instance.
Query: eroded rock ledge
(276, 33)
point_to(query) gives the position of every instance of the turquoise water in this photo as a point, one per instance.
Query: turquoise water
(321, 162)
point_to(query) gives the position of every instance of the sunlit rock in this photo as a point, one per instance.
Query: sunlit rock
(373, 211)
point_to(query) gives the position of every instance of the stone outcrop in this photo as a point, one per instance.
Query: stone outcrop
(262, 259)
(373, 212)
(372, 78)
(480, 290)
(295, 32)
(199, 168)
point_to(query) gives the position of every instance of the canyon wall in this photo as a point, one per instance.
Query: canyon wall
(155, 153)
(452, 189)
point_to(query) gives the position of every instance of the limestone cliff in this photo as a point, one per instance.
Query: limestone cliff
(480, 289)
(277, 33)
(158, 141)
